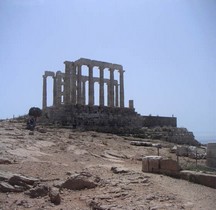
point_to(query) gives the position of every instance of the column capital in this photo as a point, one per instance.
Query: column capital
(111, 69)
(121, 71)
(90, 66)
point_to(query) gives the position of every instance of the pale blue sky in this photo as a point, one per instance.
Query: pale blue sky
(167, 48)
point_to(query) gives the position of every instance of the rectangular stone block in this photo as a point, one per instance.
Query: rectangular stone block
(169, 165)
(151, 164)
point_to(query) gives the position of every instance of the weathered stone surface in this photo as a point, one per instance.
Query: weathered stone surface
(38, 191)
(119, 170)
(5, 187)
(54, 195)
(156, 164)
(199, 178)
(5, 161)
(79, 182)
(169, 167)
(141, 143)
(22, 180)
(5, 175)
(151, 164)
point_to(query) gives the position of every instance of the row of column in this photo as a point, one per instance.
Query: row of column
(74, 87)
(74, 95)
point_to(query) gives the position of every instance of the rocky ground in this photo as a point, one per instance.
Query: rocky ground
(69, 169)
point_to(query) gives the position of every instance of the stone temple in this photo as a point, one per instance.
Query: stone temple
(74, 96)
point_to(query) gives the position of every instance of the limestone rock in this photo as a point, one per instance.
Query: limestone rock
(119, 170)
(5, 161)
(79, 182)
(5, 187)
(39, 191)
(54, 195)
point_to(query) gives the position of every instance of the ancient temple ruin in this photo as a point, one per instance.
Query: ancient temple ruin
(74, 102)
(70, 87)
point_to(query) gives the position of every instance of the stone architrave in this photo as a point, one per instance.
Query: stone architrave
(101, 99)
(44, 92)
(111, 88)
(91, 86)
(79, 83)
(121, 80)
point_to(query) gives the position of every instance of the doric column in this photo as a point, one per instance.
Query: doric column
(108, 93)
(44, 104)
(83, 92)
(54, 91)
(121, 80)
(111, 88)
(58, 88)
(67, 82)
(101, 92)
(73, 85)
(91, 86)
(79, 88)
(116, 95)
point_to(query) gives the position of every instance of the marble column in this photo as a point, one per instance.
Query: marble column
(67, 82)
(83, 92)
(91, 86)
(121, 80)
(101, 91)
(116, 95)
(108, 94)
(44, 104)
(111, 88)
(79, 88)
(73, 85)
(54, 91)
(58, 88)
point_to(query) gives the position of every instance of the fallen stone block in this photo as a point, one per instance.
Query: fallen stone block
(6, 187)
(5, 161)
(79, 182)
(169, 167)
(54, 195)
(38, 191)
(119, 170)
(151, 164)
(141, 143)
(22, 180)
(208, 180)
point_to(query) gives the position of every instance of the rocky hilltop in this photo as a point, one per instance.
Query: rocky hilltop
(58, 168)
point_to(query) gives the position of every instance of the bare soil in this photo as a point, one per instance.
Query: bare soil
(53, 154)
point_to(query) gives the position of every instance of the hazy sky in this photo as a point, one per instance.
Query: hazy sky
(167, 48)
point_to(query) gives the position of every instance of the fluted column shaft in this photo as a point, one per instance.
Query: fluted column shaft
(116, 95)
(101, 92)
(91, 86)
(108, 93)
(44, 104)
(58, 88)
(54, 91)
(83, 92)
(79, 77)
(121, 80)
(111, 88)
(67, 82)
(73, 85)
